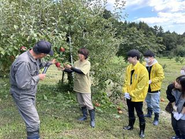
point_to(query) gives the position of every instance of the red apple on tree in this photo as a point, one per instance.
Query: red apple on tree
(23, 48)
(62, 49)
(97, 104)
(57, 64)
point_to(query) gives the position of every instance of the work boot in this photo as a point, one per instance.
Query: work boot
(142, 130)
(177, 135)
(130, 125)
(33, 135)
(92, 115)
(149, 114)
(84, 112)
(156, 119)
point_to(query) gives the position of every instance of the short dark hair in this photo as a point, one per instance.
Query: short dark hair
(181, 81)
(149, 53)
(134, 53)
(84, 51)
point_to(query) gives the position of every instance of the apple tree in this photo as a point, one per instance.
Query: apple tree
(23, 23)
(68, 25)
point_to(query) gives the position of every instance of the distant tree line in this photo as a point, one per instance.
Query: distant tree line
(142, 37)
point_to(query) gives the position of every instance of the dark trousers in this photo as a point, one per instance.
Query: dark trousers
(178, 126)
(138, 107)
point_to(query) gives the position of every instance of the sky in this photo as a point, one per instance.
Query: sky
(170, 14)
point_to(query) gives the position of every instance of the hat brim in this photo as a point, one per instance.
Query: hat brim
(51, 53)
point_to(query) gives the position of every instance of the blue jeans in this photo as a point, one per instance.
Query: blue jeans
(153, 100)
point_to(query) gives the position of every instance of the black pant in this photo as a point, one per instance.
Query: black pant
(138, 106)
(178, 126)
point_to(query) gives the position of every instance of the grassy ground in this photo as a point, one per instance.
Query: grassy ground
(59, 110)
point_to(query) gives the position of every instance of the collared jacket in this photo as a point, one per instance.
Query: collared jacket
(156, 76)
(24, 75)
(179, 101)
(138, 87)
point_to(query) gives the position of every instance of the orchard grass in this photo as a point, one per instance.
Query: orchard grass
(59, 111)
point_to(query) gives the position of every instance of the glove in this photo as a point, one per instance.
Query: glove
(177, 115)
(127, 96)
(149, 82)
(174, 108)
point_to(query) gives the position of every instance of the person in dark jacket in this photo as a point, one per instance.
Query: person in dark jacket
(171, 86)
(176, 95)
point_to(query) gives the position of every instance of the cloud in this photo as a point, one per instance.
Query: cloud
(169, 21)
(135, 2)
(158, 5)
(170, 13)
(168, 5)
(169, 18)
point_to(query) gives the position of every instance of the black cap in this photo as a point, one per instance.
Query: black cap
(133, 53)
(149, 53)
(43, 47)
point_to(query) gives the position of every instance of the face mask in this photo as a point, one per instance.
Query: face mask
(147, 60)
(182, 72)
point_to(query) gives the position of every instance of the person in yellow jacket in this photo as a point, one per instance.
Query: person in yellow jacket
(156, 75)
(135, 89)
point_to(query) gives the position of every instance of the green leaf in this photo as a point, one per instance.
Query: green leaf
(15, 27)
(45, 97)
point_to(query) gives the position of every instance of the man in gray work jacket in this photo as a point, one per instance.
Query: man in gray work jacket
(24, 77)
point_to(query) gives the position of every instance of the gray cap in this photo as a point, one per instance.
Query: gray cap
(43, 47)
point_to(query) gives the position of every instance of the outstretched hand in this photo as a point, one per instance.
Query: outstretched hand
(68, 66)
(60, 68)
(53, 61)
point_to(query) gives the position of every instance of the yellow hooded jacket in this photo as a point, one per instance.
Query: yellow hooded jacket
(139, 87)
(156, 76)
